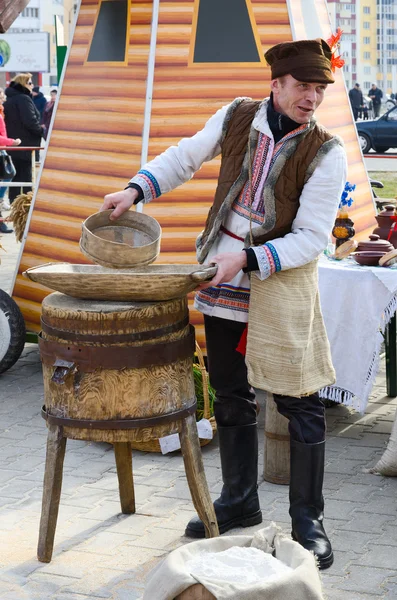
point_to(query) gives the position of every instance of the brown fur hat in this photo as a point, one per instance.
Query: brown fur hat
(305, 60)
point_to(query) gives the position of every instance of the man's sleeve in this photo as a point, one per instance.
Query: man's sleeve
(314, 221)
(178, 163)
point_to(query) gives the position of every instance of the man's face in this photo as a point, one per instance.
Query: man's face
(297, 99)
(373, 87)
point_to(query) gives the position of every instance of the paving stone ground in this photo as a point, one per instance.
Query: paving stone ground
(100, 553)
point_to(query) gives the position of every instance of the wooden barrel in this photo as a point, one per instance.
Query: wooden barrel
(277, 445)
(117, 372)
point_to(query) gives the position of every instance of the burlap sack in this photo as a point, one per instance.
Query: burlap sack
(387, 465)
(171, 577)
(288, 352)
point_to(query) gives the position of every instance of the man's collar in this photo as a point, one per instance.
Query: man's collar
(279, 124)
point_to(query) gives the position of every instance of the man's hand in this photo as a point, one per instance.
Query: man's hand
(16, 142)
(120, 201)
(229, 264)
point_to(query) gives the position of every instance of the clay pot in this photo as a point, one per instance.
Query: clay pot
(374, 244)
(369, 259)
(386, 220)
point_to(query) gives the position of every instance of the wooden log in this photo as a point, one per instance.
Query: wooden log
(56, 446)
(98, 163)
(64, 251)
(94, 121)
(129, 145)
(103, 73)
(92, 185)
(277, 445)
(56, 227)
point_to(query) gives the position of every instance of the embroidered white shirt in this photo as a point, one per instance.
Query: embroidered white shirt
(310, 230)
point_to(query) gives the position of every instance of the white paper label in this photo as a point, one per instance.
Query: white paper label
(170, 443)
(204, 429)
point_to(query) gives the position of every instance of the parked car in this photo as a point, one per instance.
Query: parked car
(380, 134)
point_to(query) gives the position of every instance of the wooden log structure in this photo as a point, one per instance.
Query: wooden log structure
(96, 141)
(117, 373)
(277, 445)
(9, 11)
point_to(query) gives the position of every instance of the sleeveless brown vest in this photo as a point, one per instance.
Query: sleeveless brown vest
(285, 181)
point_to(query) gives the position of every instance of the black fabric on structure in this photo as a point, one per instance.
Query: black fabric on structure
(138, 188)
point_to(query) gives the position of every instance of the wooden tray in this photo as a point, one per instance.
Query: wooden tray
(149, 283)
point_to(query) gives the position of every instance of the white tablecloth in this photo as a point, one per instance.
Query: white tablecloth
(357, 303)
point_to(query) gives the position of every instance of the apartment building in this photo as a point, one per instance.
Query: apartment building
(386, 44)
(369, 42)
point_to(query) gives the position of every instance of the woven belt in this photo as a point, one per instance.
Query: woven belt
(230, 234)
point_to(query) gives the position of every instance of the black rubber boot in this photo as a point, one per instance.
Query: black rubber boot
(307, 502)
(238, 504)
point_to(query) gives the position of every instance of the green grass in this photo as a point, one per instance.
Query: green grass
(389, 180)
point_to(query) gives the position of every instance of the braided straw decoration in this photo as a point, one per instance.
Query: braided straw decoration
(19, 214)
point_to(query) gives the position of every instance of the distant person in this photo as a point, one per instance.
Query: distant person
(49, 109)
(4, 141)
(39, 101)
(23, 121)
(376, 96)
(356, 100)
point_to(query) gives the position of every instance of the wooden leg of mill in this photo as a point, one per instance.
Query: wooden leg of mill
(195, 475)
(277, 445)
(123, 455)
(56, 446)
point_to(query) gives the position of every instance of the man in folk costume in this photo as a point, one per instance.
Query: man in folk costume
(280, 182)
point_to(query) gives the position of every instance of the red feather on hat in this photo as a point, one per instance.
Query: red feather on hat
(333, 42)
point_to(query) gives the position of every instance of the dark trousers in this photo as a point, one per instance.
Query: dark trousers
(23, 173)
(235, 399)
(356, 112)
(376, 108)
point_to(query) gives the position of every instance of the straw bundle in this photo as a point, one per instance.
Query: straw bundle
(19, 214)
